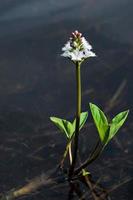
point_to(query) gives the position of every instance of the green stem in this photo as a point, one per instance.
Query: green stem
(65, 154)
(70, 153)
(78, 111)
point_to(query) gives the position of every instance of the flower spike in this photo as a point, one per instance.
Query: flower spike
(77, 48)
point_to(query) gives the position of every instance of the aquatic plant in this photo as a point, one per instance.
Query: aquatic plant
(77, 50)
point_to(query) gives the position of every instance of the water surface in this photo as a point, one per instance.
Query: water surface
(36, 83)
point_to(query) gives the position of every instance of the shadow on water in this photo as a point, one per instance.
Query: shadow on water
(35, 83)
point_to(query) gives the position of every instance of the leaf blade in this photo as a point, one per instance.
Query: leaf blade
(64, 126)
(100, 121)
(83, 118)
(117, 123)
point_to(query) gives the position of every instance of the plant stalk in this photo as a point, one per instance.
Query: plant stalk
(68, 146)
(78, 111)
(89, 160)
(70, 153)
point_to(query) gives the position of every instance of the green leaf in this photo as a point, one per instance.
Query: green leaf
(101, 122)
(85, 173)
(107, 131)
(67, 127)
(83, 118)
(116, 123)
(64, 126)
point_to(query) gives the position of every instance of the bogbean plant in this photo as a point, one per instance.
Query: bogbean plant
(77, 49)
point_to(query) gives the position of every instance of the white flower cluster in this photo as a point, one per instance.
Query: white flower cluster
(77, 48)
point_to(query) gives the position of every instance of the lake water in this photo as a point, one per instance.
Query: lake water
(36, 83)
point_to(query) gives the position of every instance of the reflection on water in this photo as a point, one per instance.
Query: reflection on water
(35, 83)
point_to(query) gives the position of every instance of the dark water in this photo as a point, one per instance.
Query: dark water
(36, 83)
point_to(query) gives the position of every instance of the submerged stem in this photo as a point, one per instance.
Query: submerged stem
(89, 160)
(78, 111)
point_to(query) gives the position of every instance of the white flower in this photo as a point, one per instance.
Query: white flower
(67, 47)
(77, 48)
(86, 45)
(89, 54)
(76, 55)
